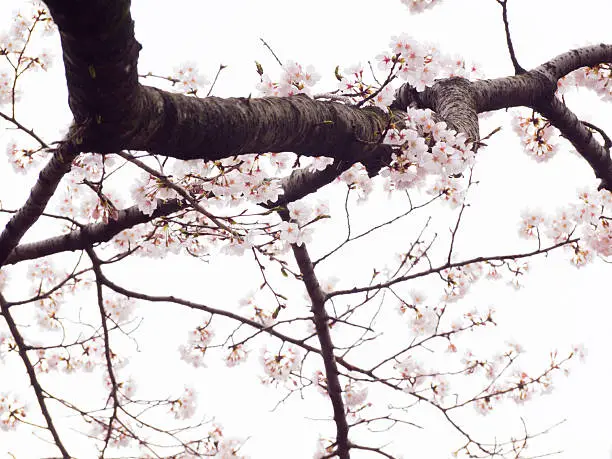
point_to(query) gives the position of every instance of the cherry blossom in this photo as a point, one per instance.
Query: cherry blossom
(194, 351)
(12, 411)
(279, 366)
(418, 6)
(355, 394)
(185, 406)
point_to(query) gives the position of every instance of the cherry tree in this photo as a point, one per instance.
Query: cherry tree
(334, 212)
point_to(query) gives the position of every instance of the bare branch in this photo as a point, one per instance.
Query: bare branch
(517, 68)
(38, 390)
(321, 321)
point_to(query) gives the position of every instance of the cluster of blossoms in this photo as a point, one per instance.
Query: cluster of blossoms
(355, 394)
(294, 80)
(83, 198)
(598, 78)
(428, 148)
(7, 344)
(119, 308)
(15, 46)
(357, 178)
(236, 355)
(11, 412)
(185, 406)
(148, 191)
(301, 214)
(22, 159)
(412, 373)
(220, 446)
(44, 278)
(227, 182)
(189, 78)
(418, 6)
(119, 436)
(415, 63)
(519, 386)
(6, 90)
(423, 319)
(279, 366)
(421, 64)
(243, 180)
(197, 344)
(588, 219)
(352, 85)
(126, 387)
(256, 312)
(536, 134)
(325, 448)
(88, 357)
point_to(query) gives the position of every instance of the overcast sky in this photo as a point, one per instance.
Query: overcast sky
(559, 306)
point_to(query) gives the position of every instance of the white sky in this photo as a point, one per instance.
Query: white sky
(559, 305)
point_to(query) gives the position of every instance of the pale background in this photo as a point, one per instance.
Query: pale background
(559, 305)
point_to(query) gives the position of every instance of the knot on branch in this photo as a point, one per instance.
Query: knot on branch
(455, 101)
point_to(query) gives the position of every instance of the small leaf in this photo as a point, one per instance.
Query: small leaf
(337, 73)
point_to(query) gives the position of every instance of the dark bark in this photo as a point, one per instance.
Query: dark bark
(321, 322)
(112, 111)
(89, 235)
(41, 192)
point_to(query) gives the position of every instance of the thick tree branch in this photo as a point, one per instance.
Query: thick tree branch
(321, 322)
(581, 137)
(42, 191)
(588, 56)
(115, 112)
(300, 183)
(454, 101)
(539, 83)
(91, 234)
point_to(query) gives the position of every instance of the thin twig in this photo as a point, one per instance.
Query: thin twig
(517, 67)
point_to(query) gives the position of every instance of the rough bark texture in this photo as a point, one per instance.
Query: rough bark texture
(112, 111)
(41, 192)
(90, 235)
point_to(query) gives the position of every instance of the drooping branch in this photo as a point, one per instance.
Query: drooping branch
(300, 183)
